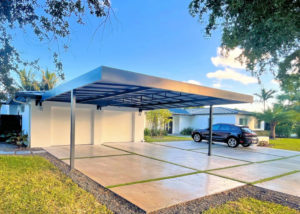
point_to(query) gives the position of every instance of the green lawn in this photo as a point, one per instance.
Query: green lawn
(31, 184)
(165, 138)
(251, 206)
(286, 143)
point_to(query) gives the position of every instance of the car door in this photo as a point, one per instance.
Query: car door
(215, 129)
(223, 132)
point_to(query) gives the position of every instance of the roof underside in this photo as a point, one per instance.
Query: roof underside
(106, 86)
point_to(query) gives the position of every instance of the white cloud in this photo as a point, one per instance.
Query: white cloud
(229, 59)
(231, 74)
(217, 85)
(275, 82)
(195, 82)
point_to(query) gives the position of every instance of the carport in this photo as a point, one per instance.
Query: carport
(105, 86)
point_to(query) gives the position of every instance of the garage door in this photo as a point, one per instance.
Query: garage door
(60, 126)
(116, 126)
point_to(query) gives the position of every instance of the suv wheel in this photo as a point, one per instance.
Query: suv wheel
(197, 137)
(232, 142)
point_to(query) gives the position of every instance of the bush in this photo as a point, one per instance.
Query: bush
(155, 132)
(187, 131)
(263, 133)
(147, 132)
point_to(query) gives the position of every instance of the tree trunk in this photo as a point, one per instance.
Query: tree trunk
(272, 130)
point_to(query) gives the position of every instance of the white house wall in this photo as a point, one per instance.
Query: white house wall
(51, 125)
(201, 121)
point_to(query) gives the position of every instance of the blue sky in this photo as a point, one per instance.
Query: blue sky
(153, 37)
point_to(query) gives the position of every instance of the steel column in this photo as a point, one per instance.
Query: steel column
(210, 129)
(72, 130)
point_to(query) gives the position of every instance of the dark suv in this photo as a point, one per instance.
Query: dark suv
(231, 134)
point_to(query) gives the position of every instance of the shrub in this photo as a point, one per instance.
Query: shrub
(263, 133)
(155, 132)
(187, 131)
(147, 132)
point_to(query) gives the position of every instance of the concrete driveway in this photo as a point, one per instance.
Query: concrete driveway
(158, 175)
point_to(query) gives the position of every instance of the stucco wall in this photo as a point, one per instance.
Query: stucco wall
(50, 125)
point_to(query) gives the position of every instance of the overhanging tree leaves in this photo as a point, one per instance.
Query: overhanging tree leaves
(48, 20)
(268, 32)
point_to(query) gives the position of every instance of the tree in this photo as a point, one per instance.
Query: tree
(27, 81)
(267, 31)
(158, 119)
(48, 20)
(276, 116)
(265, 95)
(49, 80)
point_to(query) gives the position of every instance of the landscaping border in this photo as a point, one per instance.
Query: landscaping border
(118, 204)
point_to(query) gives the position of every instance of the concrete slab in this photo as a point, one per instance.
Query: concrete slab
(245, 155)
(7, 152)
(287, 184)
(124, 169)
(190, 159)
(252, 172)
(63, 152)
(21, 152)
(288, 163)
(271, 151)
(187, 145)
(164, 193)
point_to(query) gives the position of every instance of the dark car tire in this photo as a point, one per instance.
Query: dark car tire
(232, 142)
(197, 137)
(246, 144)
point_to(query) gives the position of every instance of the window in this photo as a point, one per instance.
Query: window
(225, 127)
(243, 121)
(257, 124)
(216, 127)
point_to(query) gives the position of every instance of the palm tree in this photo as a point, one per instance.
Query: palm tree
(276, 116)
(49, 80)
(27, 81)
(265, 95)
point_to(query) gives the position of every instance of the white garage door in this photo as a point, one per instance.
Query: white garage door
(60, 126)
(116, 126)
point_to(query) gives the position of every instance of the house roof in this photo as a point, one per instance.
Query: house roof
(105, 86)
(205, 111)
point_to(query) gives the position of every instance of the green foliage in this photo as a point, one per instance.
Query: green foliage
(48, 20)
(28, 80)
(278, 115)
(285, 129)
(266, 31)
(187, 131)
(147, 132)
(158, 119)
(263, 133)
(292, 144)
(265, 95)
(31, 184)
(155, 132)
(251, 206)
(19, 139)
(166, 138)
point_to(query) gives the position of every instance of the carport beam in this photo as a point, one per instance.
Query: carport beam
(72, 130)
(210, 128)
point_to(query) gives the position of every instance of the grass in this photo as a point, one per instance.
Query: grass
(286, 143)
(251, 206)
(31, 184)
(166, 138)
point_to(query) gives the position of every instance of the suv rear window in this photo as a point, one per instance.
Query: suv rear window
(247, 130)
